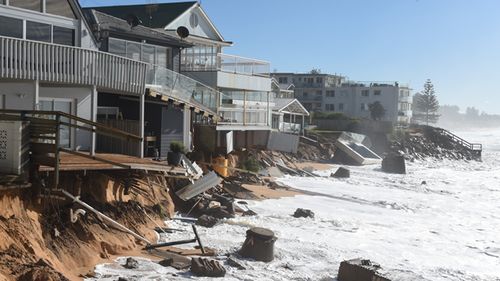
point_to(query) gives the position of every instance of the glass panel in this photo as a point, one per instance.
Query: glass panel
(34, 5)
(161, 57)
(64, 133)
(45, 105)
(148, 54)
(60, 8)
(38, 31)
(63, 36)
(134, 51)
(117, 47)
(11, 27)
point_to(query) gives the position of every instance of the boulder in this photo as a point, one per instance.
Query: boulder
(206, 221)
(341, 173)
(131, 263)
(303, 213)
(206, 267)
(359, 270)
(394, 164)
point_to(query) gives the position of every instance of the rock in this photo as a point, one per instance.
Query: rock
(248, 213)
(166, 262)
(359, 270)
(206, 221)
(131, 263)
(423, 182)
(206, 267)
(122, 279)
(394, 164)
(214, 204)
(341, 173)
(219, 213)
(303, 213)
(231, 261)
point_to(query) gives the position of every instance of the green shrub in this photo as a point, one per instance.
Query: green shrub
(177, 147)
(251, 164)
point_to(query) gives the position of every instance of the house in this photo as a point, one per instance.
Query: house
(245, 103)
(78, 90)
(334, 93)
(173, 102)
(289, 115)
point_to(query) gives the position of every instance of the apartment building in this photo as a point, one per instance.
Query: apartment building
(334, 93)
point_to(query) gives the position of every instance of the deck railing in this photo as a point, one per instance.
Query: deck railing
(181, 87)
(226, 63)
(470, 146)
(24, 59)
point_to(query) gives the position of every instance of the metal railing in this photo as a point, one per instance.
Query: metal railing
(181, 87)
(25, 59)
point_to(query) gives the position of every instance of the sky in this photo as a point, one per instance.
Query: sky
(455, 43)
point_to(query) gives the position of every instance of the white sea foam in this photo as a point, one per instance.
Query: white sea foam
(447, 229)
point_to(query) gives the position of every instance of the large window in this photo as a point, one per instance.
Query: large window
(60, 8)
(11, 27)
(34, 5)
(38, 31)
(55, 7)
(151, 54)
(63, 36)
(201, 57)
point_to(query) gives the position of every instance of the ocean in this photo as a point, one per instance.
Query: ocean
(445, 229)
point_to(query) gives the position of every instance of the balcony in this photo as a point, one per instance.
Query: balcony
(51, 63)
(311, 98)
(181, 87)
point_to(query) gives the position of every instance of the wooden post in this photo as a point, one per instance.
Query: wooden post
(93, 113)
(56, 154)
(141, 124)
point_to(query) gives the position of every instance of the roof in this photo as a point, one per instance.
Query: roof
(117, 26)
(151, 15)
(289, 106)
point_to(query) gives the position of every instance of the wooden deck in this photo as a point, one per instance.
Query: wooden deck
(71, 162)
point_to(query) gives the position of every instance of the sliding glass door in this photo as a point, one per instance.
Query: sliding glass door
(63, 105)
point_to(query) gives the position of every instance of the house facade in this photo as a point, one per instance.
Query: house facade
(56, 57)
(334, 93)
(245, 102)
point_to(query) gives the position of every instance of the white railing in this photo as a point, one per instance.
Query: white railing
(24, 59)
(181, 87)
(291, 127)
(226, 63)
(241, 65)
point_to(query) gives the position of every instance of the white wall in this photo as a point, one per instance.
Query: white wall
(81, 98)
(18, 95)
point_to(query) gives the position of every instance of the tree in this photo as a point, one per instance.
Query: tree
(315, 71)
(426, 105)
(377, 110)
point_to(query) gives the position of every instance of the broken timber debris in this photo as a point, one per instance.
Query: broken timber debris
(205, 183)
(206, 267)
(180, 242)
(104, 217)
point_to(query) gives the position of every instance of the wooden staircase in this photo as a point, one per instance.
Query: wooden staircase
(475, 148)
(44, 133)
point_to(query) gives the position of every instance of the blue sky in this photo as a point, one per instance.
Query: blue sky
(455, 43)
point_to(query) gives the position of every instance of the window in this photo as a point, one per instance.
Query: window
(377, 93)
(134, 51)
(365, 93)
(283, 80)
(60, 8)
(11, 27)
(330, 107)
(319, 80)
(63, 36)
(305, 94)
(364, 107)
(319, 93)
(330, 93)
(34, 5)
(38, 31)
(341, 107)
